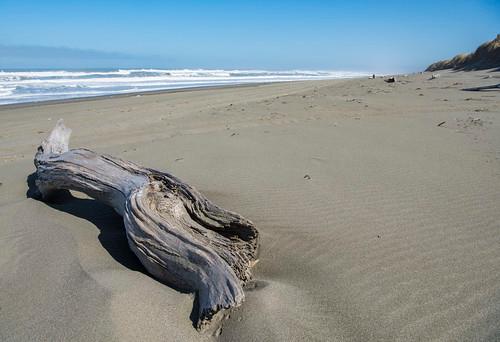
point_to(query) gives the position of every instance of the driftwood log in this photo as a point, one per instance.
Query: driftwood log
(180, 237)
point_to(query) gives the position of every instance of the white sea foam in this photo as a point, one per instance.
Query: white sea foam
(32, 86)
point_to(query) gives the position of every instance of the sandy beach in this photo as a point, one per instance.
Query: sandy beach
(378, 206)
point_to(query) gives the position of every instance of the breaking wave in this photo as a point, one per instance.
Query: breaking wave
(33, 86)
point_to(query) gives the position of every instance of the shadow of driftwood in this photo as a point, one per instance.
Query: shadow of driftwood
(112, 235)
(484, 88)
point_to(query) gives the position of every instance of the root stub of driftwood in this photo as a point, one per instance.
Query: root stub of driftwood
(180, 237)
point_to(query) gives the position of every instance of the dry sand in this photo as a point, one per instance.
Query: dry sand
(393, 235)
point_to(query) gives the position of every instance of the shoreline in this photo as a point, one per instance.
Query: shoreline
(131, 94)
(242, 83)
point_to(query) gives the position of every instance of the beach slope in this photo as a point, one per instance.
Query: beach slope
(378, 207)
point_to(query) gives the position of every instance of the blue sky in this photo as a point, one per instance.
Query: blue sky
(346, 35)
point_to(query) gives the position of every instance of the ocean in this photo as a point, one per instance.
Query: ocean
(33, 86)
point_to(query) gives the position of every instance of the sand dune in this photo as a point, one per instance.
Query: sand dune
(393, 235)
(486, 56)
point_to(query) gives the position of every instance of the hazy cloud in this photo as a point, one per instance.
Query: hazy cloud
(32, 56)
